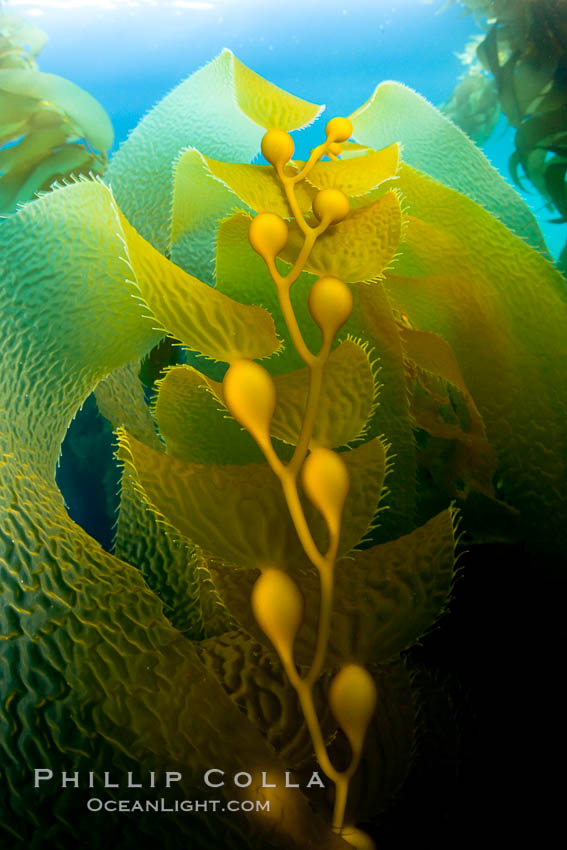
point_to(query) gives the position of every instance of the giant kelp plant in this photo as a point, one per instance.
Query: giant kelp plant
(404, 318)
(50, 128)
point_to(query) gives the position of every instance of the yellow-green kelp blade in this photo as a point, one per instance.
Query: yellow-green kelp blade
(346, 404)
(503, 310)
(442, 405)
(253, 677)
(432, 143)
(220, 188)
(201, 317)
(358, 175)
(71, 308)
(120, 398)
(386, 597)
(196, 426)
(239, 513)
(223, 110)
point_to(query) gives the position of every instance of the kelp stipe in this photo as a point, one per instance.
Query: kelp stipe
(250, 396)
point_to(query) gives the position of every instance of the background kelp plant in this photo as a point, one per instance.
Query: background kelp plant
(265, 583)
(519, 67)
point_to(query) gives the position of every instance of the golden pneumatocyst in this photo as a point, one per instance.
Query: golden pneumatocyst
(331, 204)
(250, 395)
(338, 129)
(268, 235)
(330, 304)
(278, 607)
(277, 147)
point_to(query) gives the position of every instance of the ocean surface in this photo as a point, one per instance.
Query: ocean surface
(129, 53)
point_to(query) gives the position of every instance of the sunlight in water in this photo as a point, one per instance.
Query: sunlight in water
(35, 7)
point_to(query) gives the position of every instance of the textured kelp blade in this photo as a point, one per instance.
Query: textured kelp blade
(223, 110)
(356, 175)
(67, 245)
(120, 398)
(358, 248)
(433, 144)
(386, 597)
(502, 308)
(436, 388)
(167, 561)
(373, 320)
(85, 114)
(195, 425)
(347, 399)
(253, 677)
(199, 202)
(202, 318)
(170, 565)
(239, 512)
(348, 396)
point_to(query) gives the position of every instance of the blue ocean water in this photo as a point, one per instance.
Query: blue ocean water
(129, 53)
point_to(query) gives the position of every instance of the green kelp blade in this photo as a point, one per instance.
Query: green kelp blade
(386, 597)
(168, 561)
(347, 402)
(239, 513)
(358, 248)
(223, 109)
(435, 145)
(503, 310)
(373, 320)
(242, 274)
(251, 673)
(22, 183)
(86, 115)
(201, 317)
(170, 564)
